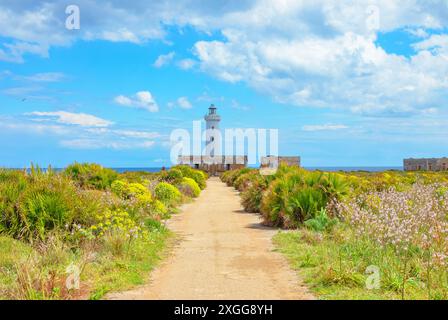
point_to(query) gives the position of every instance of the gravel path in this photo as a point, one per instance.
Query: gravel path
(223, 253)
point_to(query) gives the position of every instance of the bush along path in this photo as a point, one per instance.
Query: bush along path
(356, 235)
(222, 253)
(85, 231)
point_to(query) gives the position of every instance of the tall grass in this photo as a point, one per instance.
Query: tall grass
(349, 221)
(87, 216)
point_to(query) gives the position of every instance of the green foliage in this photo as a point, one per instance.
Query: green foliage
(321, 222)
(134, 190)
(304, 203)
(294, 195)
(197, 175)
(91, 175)
(159, 210)
(120, 188)
(60, 218)
(174, 176)
(32, 205)
(189, 187)
(252, 196)
(168, 194)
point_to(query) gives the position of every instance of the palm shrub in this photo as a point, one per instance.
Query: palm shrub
(91, 175)
(304, 203)
(36, 204)
(245, 180)
(252, 196)
(167, 194)
(275, 204)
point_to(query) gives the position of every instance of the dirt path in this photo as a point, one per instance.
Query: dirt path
(224, 253)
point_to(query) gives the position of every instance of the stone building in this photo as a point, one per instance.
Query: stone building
(274, 162)
(214, 165)
(425, 164)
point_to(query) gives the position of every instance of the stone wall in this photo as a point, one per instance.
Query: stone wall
(425, 164)
(274, 162)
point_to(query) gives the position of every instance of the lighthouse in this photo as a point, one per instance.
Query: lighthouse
(212, 120)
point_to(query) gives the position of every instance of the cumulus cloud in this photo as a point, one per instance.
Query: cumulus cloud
(164, 59)
(307, 53)
(141, 100)
(186, 64)
(184, 103)
(80, 119)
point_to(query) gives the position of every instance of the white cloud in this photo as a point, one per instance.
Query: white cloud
(308, 53)
(184, 103)
(14, 52)
(186, 64)
(123, 100)
(80, 119)
(88, 143)
(141, 100)
(324, 127)
(436, 41)
(122, 35)
(164, 59)
(45, 77)
(137, 134)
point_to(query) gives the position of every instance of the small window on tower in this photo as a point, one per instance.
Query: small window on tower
(213, 138)
(213, 128)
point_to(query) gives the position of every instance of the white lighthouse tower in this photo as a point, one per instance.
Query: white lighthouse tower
(212, 120)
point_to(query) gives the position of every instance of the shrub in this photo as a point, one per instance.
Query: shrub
(116, 222)
(200, 178)
(120, 188)
(275, 202)
(245, 179)
(252, 196)
(321, 222)
(190, 188)
(43, 204)
(159, 210)
(91, 175)
(133, 190)
(174, 176)
(167, 194)
(304, 203)
(197, 175)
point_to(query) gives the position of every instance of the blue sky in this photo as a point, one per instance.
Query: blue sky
(346, 85)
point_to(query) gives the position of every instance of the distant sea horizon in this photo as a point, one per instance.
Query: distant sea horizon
(321, 168)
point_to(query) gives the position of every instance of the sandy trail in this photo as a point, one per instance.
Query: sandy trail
(224, 253)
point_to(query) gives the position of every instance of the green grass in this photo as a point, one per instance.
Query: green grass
(132, 269)
(12, 251)
(107, 272)
(335, 269)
